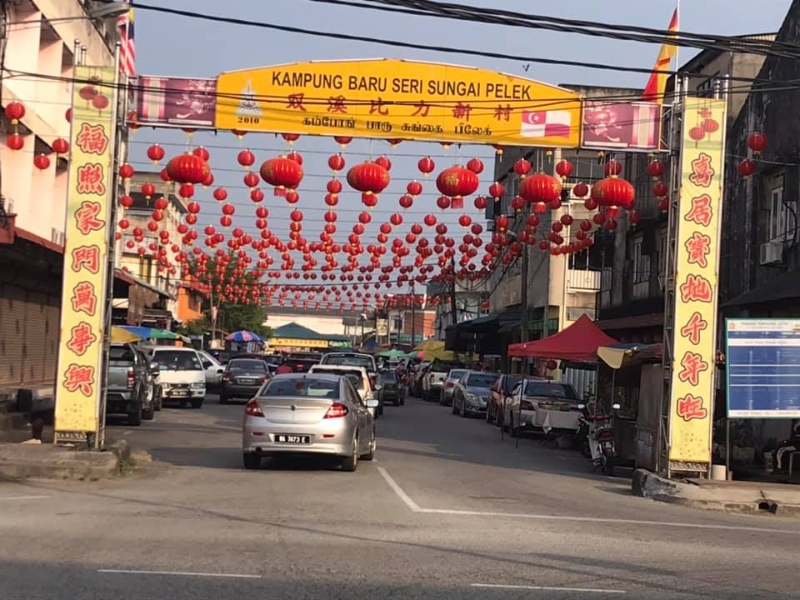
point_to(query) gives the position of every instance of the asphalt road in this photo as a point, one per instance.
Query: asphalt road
(447, 511)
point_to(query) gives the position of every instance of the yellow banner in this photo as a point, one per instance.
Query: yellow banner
(85, 252)
(696, 283)
(399, 99)
(296, 343)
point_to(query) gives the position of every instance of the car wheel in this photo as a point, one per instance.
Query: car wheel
(223, 399)
(197, 403)
(454, 408)
(150, 413)
(135, 417)
(373, 447)
(464, 409)
(159, 400)
(350, 463)
(251, 460)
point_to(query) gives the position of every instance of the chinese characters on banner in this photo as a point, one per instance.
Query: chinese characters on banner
(85, 250)
(397, 99)
(697, 258)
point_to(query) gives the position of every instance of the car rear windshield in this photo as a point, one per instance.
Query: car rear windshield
(176, 360)
(389, 376)
(354, 376)
(443, 366)
(550, 390)
(350, 361)
(308, 387)
(511, 382)
(481, 380)
(238, 364)
(456, 373)
(120, 354)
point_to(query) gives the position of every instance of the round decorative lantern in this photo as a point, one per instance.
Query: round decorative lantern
(522, 167)
(540, 187)
(426, 165)
(481, 202)
(282, 173)
(497, 190)
(475, 165)
(126, 171)
(457, 182)
(188, 168)
(564, 168)
(14, 112)
(384, 161)
(414, 188)
(41, 162)
(369, 178)
(336, 162)
(15, 142)
(60, 146)
(155, 153)
(746, 168)
(614, 191)
(246, 158)
(148, 189)
(220, 194)
(757, 142)
(655, 169)
(580, 190)
(613, 168)
(660, 189)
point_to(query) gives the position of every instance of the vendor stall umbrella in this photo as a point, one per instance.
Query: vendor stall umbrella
(150, 333)
(392, 354)
(243, 336)
(123, 336)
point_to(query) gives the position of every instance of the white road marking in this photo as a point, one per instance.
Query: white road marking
(545, 588)
(409, 502)
(178, 573)
(399, 491)
(23, 498)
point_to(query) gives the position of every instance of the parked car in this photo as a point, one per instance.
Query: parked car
(390, 389)
(353, 359)
(181, 374)
(446, 397)
(471, 393)
(313, 414)
(433, 382)
(131, 389)
(213, 370)
(243, 377)
(358, 377)
(301, 362)
(497, 397)
(530, 394)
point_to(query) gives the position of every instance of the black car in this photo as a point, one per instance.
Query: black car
(391, 389)
(243, 377)
(301, 362)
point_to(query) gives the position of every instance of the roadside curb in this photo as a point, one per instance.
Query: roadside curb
(48, 461)
(751, 501)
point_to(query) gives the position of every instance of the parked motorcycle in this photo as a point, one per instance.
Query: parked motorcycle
(595, 439)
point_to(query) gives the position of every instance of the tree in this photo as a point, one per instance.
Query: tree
(234, 310)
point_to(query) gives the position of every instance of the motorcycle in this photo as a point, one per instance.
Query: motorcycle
(595, 439)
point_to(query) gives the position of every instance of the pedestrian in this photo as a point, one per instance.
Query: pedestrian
(284, 368)
(787, 446)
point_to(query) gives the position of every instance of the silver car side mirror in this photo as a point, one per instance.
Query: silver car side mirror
(616, 406)
(373, 404)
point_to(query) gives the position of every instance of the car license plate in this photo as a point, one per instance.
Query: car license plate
(247, 381)
(293, 439)
(179, 393)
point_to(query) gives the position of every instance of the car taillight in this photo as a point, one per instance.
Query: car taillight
(253, 409)
(131, 379)
(450, 384)
(373, 380)
(431, 378)
(337, 411)
(525, 405)
(226, 377)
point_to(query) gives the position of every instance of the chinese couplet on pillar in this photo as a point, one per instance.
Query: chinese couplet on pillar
(697, 257)
(85, 250)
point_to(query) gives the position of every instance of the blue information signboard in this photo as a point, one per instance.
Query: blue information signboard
(763, 359)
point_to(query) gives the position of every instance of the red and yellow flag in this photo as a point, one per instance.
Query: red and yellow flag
(654, 90)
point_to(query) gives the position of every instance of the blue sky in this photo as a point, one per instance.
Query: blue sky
(177, 46)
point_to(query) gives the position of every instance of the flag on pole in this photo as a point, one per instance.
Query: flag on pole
(654, 90)
(127, 57)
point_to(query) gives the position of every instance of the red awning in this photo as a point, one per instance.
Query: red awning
(578, 342)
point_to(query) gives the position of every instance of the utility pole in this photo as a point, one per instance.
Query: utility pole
(453, 307)
(413, 315)
(523, 294)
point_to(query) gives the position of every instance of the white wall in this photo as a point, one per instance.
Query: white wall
(325, 325)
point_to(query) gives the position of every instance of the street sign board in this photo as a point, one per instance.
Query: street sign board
(763, 358)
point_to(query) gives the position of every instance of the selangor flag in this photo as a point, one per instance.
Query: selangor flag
(546, 124)
(654, 90)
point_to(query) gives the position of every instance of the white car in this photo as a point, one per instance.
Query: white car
(213, 369)
(453, 376)
(358, 376)
(181, 374)
(353, 359)
(530, 394)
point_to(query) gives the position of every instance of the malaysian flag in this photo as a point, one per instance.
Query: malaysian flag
(127, 57)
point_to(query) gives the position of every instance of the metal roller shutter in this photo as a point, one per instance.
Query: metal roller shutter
(53, 314)
(12, 332)
(35, 338)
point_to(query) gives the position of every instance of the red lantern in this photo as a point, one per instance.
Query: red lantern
(282, 173)
(124, 224)
(292, 196)
(188, 168)
(518, 203)
(225, 221)
(41, 162)
(342, 140)
(162, 203)
(746, 168)
(426, 165)
(15, 111)
(655, 169)
(246, 158)
(465, 220)
(429, 220)
(186, 190)
(457, 182)
(60, 146)
(384, 161)
(757, 142)
(126, 171)
(497, 190)
(614, 191)
(15, 142)
(580, 190)
(336, 162)
(522, 167)
(148, 189)
(696, 134)
(193, 207)
(220, 194)
(443, 202)
(406, 201)
(250, 180)
(126, 201)
(613, 168)
(634, 217)
(256, 195)
(481, 202)
(551, 365)
(475, 165)
(228, 210)
(541, 187)
(155, 153)
(369, 178)
(564, 168)
(660, 189)
(414, 188)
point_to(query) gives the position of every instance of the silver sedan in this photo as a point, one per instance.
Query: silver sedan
(308, 414)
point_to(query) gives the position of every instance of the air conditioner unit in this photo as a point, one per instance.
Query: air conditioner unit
(771, 253)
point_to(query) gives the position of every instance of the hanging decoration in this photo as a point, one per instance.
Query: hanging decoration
(282, 173)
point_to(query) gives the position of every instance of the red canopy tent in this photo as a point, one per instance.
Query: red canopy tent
(578, 342)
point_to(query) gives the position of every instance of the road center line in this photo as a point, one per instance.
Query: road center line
(399, 491)
(177, 573)
(409, 502)
(23, 498)
(497, 586)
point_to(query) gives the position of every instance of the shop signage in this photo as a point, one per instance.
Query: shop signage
(697, 256)
(763, 359)
(175, 101)
(86, 247)
(631, 126)
(400, 99)
(298, 343)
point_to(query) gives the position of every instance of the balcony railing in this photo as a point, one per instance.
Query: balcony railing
(583, 281)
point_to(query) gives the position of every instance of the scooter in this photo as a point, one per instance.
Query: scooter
(596, 439)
